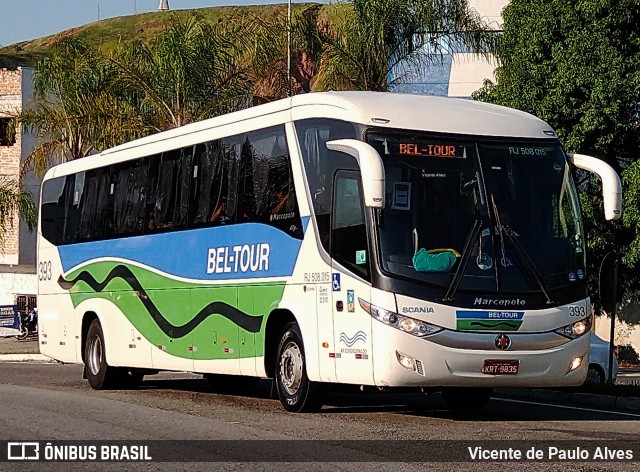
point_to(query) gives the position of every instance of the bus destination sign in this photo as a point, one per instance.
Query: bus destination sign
(431, 150)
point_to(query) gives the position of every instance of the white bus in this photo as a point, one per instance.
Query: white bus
(370, 239)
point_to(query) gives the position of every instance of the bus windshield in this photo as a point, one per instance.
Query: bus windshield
(498, 216)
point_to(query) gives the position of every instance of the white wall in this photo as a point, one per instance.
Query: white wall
(12, 284)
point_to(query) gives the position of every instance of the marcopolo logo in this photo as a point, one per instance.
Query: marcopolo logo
(498, 301)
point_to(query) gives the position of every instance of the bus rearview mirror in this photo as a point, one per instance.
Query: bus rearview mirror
(371, 169)
(611, 186)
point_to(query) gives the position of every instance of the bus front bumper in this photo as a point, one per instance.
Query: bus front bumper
(403, 360)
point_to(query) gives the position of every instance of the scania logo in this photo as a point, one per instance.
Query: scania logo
(503, 342)
(417, 309)
(498, 301)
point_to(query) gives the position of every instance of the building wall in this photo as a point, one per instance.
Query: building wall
(18, 248)
(458, 74)
(10, 103)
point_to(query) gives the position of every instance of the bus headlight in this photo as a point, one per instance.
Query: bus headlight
(403, 323)
(576, 329)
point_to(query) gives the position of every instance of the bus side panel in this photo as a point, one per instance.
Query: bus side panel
(259, 301)
(352, 330)
(301, 301)
(124, 345)
(215, 337)
(56, 322)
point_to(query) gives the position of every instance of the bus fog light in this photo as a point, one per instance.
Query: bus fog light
(580, 328)
(575, 363)
(405, 361)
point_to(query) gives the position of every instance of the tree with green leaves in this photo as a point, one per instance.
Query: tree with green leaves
(193, 71)
(576, 65)
(369, 41)
(271, 46)
(14, 202)
(75, 111)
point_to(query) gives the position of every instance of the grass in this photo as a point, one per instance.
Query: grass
(106, 34)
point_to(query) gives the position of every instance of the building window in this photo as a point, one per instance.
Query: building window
(7, 132)
(26, 303)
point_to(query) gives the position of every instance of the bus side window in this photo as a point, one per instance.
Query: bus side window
(52, 211)
(95, 218)
(320, 165)
(130, 180)
(171, 205)
(349, 233)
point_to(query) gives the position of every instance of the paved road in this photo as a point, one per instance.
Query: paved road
(52, 402)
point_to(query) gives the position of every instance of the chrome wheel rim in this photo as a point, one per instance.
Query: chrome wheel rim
(291, 365)
(95, 355)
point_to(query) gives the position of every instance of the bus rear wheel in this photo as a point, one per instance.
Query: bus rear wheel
(466, 399)
(100, 375)
(295, 391)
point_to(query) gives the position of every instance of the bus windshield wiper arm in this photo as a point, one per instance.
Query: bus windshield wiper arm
(529, 268)
(464, 260)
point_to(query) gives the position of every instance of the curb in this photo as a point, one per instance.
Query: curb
(589, 399)
(25, 358)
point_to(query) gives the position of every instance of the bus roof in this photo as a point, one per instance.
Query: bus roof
(381, 109)
(430, 113)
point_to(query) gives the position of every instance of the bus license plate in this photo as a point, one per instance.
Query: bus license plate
(494, 367)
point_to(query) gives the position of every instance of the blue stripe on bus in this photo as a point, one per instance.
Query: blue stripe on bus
(243, 251)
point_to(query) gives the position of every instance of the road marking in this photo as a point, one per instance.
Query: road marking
(611, 412)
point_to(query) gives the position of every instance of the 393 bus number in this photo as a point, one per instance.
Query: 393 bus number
(44, 270)
(577, 310)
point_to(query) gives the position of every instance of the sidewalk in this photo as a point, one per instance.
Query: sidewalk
(13, 350)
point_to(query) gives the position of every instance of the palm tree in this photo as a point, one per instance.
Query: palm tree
(192, 72)
(76, 109)
(368, 40)
(14, 201)
(270, 49)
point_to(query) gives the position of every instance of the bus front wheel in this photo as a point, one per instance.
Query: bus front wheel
(295, 391)
(466, 399)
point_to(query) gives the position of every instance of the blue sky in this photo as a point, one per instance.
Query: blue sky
(22, 20)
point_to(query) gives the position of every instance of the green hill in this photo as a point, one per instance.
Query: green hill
(105, 34)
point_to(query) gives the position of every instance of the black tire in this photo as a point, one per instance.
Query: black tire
(595, 375)
(295, 391)
(466, 399)
(24, 333)
(100, 375)
(235, 383)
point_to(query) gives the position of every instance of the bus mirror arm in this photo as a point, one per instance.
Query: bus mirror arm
(371, 168)
(611, 186)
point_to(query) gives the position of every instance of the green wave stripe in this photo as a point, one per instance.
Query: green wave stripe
(487, 325)
(178, 302)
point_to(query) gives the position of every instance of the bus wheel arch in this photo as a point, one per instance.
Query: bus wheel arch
(296, 392)
(595, 375)
(276, 322)
(87, 319)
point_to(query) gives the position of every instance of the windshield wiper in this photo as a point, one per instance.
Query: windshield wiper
(472, 237)
(529, 268)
